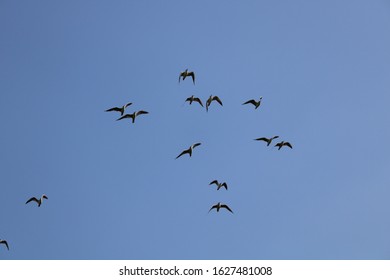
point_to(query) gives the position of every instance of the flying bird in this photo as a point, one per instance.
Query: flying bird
(281, 144)
(219, 185)
(185, 74)
(2, 241)
(211, 99)
(189, 150)
(219, 206)
(254, 102)
(268, 140)
(119, 109)
(133, 115)
(39, 201)
(192, 99)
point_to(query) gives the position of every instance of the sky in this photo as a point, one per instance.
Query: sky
(115, 189)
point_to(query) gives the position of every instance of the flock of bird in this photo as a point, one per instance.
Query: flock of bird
(183, 75)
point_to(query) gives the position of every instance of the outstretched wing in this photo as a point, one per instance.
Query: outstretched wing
(141, 113)
(224, 185)
(128, 104)
(216, 98)
(114, 109)
(125, 116)
(287, 144)
(274, 137)
(214, 182)
(192, 74)
(262, 139)
(182, 153)
(214, 206)
(252, 101)
(32, 199)
(199, 101)
(4, 242)
(196, 145)
(227, 207)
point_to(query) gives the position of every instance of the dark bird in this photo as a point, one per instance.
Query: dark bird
(211, 99)
(254, 102)
(185, 74)
(192, 99)
(189, 150)
(281, 144)
(268, 140)
(39, 201)
(133, 115)
(219, 185)
(2, 241)
(119, 109)
(219, 206)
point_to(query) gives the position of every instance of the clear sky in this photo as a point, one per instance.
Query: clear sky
(115, 189)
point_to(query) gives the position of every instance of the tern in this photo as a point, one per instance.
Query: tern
(119, 109)
(194, 99)
(268, 140)
(39, 201)
(281, 144)
(185, 74)
(219, 206)
(211, 99)
(2, 241)
(189, 150)
(219, 185)
(133, 115)
(254, 102)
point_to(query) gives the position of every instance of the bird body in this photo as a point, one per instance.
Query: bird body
(119, 109)
(219, 185)
(192, 99)
(283, 143)
(133, 115)
(254, 102)
(185, 74)
(268, 140)
(189, 150)
(219, 206)
(39, 201)
(2, 241)
(211, 99)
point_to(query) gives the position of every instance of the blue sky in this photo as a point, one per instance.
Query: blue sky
(115, 189)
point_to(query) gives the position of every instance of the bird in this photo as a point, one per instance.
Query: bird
(254, 102)
(133, 115)
(268, 140)
(219, 206)
(219, 185)
(281, 144)
(189, 150)
(119, 109)
(192, 99)
(211, 98)
(185, 74)
(2, 241)
(39, 201)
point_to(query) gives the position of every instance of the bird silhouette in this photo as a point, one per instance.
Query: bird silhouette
(39, 201)
(254, 102)
(194, 99)
(119, 109)
(268, 140)
(133, 115)
(219, 206)
(211, 99)
(185, 74)
(281, 144)
(2, 241)
(189, 150)
(219, 185)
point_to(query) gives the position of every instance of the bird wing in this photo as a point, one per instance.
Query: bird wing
(199, 101)
(214, 206)
(262, 139)
(214, 182)
(141, 113)
(216, 98)
(5, 242)
(196, 145)
(32, 199)
(114, 109)
(227, 207)
(124, 117)
(128, 104)
(274, 137)
(183, 152)
(188, 99)
(287, 144)
(252, 101)
(224, 185)
(192, 74)
(44, 196)
(181, 74)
